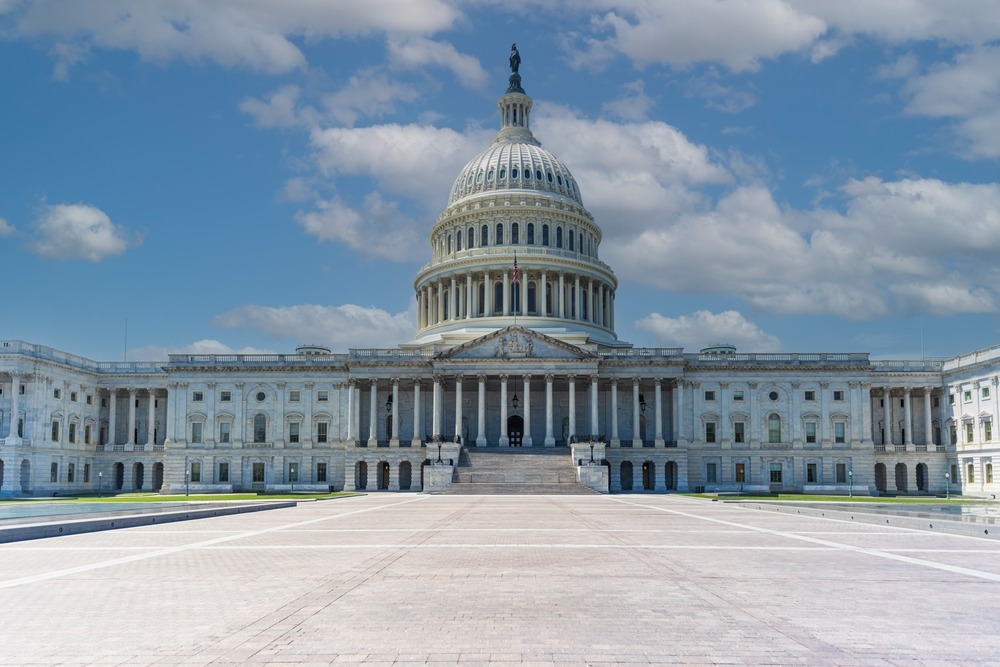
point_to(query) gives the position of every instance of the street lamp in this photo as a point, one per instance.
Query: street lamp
(187, 482)
(100, 484)
(515, 402)
(947, 486)
(439, 451)
(850, 483)
(591, 453)
(388, 405)
(642, 402)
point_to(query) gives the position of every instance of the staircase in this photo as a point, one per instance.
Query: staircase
(507, 470)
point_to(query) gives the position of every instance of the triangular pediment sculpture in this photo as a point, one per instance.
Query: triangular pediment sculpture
(515, 342)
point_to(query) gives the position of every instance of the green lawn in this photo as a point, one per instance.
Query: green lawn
(802, 498)
(157, 498)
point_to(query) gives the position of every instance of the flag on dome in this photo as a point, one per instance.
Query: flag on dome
(514, 280)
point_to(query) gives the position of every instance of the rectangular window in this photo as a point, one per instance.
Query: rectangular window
(223, 472)
(838, 394)
(198, 396)
(709, 395)
(970, 473)
(739, 432)
(104, 402)
(72, 432)
(225, 431)
(321, 471)
(988, 472)
(737, 394)
(810, 395)
(56, 393)
(954, 472)
(90, 399)
(841, 473)
(226, 396)
(986, 392)
(22, 390)
(70, 472)
(86, 473)
(740, 473)
(775, 473)
(196, 431)
(810, 431)
(321, 431)
(322, 395)
(196, 471)
(840, 432)
(953, 432)
(711, 474)
(987, 431)
(294, 396)
(293, 432)
(709, 431)
(73, 396)
(967, 396)
(54, 472)
(293, 472)
(969, 432)
(936, 401)
(55, 431)
(812, 475)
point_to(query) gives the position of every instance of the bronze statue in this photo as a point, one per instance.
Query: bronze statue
(515, 58)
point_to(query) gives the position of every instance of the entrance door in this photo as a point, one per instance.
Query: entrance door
(515, 430)
(257, 479)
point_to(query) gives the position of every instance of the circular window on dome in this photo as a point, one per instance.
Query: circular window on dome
(489, 176)
(261, 396)
(773, 395)
(513, 173)
(538, 174)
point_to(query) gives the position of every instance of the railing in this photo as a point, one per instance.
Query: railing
(257, 359)
(158, 447)
(856, 358)
(50, 354)
(979, 356)
(587, 438)
(879, 447)
(643, 352)
(505, 252)
(903, 366)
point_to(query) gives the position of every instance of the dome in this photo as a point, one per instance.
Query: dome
(515, 165)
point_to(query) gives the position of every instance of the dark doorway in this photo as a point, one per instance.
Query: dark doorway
(383, 475)
(157, 476)
(648, 475)
(880, 477)
(922, 477)
(670, 475)
(138, 475)
(405, 475)
(361, 476)
(119, 476)
(626, 475)
(901, 485)
(515, 430)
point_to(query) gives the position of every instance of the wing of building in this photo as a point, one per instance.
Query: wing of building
(515, 352)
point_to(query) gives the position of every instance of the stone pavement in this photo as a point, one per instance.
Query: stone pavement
(415, 579)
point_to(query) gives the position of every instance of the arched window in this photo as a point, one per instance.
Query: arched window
(548, 299)
(538, 174)
(449, 244)
(549, 174)
(499, 237)
(558, 237)
(532, 306)
(531, 234)
(514, 233)
(446, 301)
(482, 298)
(527, 174)
(259, 428)
(513, 172)
(774, 428)
(498, 298)
(571, 239)
(458, 240)
(484, 238)
(503, 173)
(545, 235)
(584, 301)
(472, 236)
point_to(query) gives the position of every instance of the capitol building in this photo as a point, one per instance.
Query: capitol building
(515, 358)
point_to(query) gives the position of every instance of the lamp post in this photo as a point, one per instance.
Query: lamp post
(591, 452)
(100, 484)
(642, 403)
(439, 452)
(187, 482)
(850, 483)
(947, 486)
(515, 402)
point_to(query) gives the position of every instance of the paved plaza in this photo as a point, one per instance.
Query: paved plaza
(414, 579)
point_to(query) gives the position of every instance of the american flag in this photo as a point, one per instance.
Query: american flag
(514, 280)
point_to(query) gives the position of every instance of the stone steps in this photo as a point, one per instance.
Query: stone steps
(497, 470)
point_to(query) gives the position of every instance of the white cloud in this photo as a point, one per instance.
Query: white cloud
(6, 229)
(205, 346)
(704, 328)
(255, 34)
(280, 109)
(720, 96)
(898, 21)
(79, 231)
(416, 52)
(340, 327)
(378, 230)
(632, 104)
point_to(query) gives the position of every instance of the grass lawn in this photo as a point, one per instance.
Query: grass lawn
(157, 498)
(802, 498)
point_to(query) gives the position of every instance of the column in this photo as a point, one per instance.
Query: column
(373, 414)
(481, 426)
(168, 428)
(571, 432)
(468, 296)
(15, 409)
(543, 309)
(577, 298)
(394, 440)
(928, 420)
(600, 301)
(591, 302)
(526, 441)
(506, 294)
(504, 440)
(356, 393)
(130, 439)
(796, 416)
(824, 410)
(452, 301)
(887, 417)
(436, 408)
(907, 421)
(420, 308)
(636, 431)
(550, 441)
(352, 423)
(458, 409)
(417, 435)
(562, 296)
(439, 315)
(866, 414)
(615, 442)
(487, 295)
(151, 420)
(658, 392)
(682, 438)
(594, 427)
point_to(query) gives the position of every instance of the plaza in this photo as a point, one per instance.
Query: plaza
(399, 579)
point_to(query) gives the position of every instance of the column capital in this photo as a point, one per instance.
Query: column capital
(373, 382)
(724, 384)
(796, 385)
(131, 390)
(16, 374)
(824, 385)
(459, 377)
(352, 382)
(636, 381)
(438, 379)
(571, 377)
(527, 377)
(395, 382)
(614, 381)
(853, 384)
(482, 378)
(504, 377)
(549, 377)
(594, 378)
(753, 385)
(240, 385)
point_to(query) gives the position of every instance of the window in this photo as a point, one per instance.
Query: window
(293, 432)
(954, 473)
(545, 234)
(484, 234)
(73, 396)
(223, 471)
(810, 431)
(711, 473)
(70, 472)
(838, 394)
(936, 401)
(773, 395)
(570, 238)
(72, 432)
(54, 472)
(226, 396)
(294, 396)
(810, 395)
(86, 434)
(225, 431)
(776, 473)
(970, 472)
(321, 471)
(104, 402)
(86, 473)
(988, 472)
(951, 399)
(840, 432)
(260, 396)
(740, 473)
(259, 428)
(739, 432)
(986, 392)
(812, 475)
(498, 239)
(954, 435)
(987, 431)
(967, 396)
(55, 431)
(969, 432)
(709, 395)
(56, 393)
(198, 396)
(196, 471)
(515, 233)
(531, 234)
(293, 472)
(737, 394)
(196, 428)
(558, 237)
(774, 428)
(321, 431)
(709, 431)
(841, 473)
(90, 399)
(323, 396)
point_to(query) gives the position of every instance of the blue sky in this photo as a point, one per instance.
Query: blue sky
(244, 175)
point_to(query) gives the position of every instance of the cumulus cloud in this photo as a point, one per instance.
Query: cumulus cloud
(79, 231)
(632, 103)
(704, 328)
(254, 34)
(339, 327)
(205, 346)
(377, 230)
(6, 229)
(411, 52)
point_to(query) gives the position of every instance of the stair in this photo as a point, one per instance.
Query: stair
(507, 470)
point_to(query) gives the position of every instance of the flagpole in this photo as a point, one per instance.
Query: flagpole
(517, 293)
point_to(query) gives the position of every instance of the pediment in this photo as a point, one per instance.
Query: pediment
(515, 342)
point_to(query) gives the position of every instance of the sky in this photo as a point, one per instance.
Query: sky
(183, 176)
